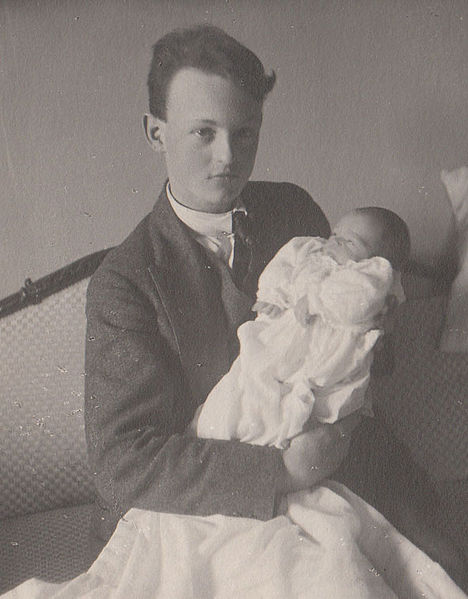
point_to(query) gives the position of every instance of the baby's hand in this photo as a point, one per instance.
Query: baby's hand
(301, 312)
(270, 310)
(456, 184)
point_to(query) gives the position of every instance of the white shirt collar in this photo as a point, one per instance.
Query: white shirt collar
(203, 223)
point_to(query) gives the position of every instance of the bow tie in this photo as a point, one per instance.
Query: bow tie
(242, 247)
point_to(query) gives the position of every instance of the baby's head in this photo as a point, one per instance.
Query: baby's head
(372, 231)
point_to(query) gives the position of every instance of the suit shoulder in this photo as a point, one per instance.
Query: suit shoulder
(272, 194)
(276, 188)
(127, 259)
(290, 204)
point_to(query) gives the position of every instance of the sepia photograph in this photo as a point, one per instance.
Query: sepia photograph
(234, 299)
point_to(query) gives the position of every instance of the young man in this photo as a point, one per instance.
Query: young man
(163, 309)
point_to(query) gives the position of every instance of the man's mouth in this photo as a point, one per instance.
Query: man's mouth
(224, 176)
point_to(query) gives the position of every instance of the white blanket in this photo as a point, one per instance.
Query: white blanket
(329, 545)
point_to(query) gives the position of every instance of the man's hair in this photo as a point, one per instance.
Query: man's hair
(210, 50)
(396, 243)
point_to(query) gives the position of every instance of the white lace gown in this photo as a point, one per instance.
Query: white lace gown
(329, 543)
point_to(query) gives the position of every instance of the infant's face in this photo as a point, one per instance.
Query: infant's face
(358, 234)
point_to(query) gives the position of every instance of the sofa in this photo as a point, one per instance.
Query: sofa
(46, 490)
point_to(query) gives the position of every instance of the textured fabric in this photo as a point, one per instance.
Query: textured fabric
(51, 545)
(425, 404)
(454, 516)
(42, 447)
(424, 401)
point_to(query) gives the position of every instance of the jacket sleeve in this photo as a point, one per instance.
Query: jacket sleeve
(136, 413)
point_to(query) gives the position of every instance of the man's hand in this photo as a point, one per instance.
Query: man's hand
(316, 454)
(301, 312)
(270, 310)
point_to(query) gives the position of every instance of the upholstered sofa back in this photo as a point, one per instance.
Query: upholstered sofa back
(43, 462)
(424, 400)
(42, 447)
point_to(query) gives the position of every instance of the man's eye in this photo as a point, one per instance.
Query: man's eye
(205, 133)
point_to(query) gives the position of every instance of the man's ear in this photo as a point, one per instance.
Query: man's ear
(154, 132)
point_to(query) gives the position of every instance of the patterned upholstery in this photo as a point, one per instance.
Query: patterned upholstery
(424, 402)
(51, 545)
(425, 399)
(42, 445)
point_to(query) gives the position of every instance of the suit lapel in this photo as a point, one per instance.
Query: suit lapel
(268, 227)
(190, 290)
(236, 304)
(202, 302)
(258, 222)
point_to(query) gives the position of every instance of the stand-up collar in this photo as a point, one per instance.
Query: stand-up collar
(204, 223)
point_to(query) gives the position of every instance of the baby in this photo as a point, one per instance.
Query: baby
(308, 354)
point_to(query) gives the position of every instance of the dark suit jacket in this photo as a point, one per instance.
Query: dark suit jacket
(162, 316)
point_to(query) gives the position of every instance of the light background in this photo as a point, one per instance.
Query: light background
(371, 102)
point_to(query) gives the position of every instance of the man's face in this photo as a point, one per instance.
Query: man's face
(210, 138)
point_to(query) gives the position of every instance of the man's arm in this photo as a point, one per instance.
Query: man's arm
(316, 454)
(136, 413)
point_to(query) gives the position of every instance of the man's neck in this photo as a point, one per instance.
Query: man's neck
(205, 223)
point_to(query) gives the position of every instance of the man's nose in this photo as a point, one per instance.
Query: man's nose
(222, 148)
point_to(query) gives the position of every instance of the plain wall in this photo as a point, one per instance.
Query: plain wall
(371, 102)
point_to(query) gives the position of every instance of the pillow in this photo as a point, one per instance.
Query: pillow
(454, 336)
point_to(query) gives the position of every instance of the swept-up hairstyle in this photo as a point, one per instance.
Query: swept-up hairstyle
(211, 50)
